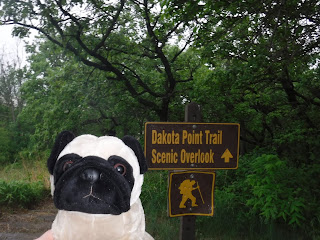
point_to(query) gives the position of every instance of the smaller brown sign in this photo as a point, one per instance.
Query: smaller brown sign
(191, 193)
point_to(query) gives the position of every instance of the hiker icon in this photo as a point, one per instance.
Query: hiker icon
(186, 188)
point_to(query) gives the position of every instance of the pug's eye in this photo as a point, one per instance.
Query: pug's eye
(67, 165)
(120, 168)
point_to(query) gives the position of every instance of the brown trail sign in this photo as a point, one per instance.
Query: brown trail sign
(191, 193)
(192, 145)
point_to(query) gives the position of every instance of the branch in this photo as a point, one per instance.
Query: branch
(140, 82)
(307, 100)
(12, 22)
(187, 80)
(182, 49)
(66, 13)
(158, 49)
(78, 36)
(172, 30)
(111, 27)
(106, 117)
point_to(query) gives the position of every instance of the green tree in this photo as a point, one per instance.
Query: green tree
(264, 62)
(117, 37)
(265, 68)
(87, 100)
(11, 79)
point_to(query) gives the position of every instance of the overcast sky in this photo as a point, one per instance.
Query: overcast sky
(11, 46)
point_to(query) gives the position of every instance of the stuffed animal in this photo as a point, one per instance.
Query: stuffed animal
(96, 183)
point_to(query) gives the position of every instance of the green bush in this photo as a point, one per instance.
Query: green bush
(21, 194)
(266, 198)
(276, 192)
(154, 200)
(270, 195)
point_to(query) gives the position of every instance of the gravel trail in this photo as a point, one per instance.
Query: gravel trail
(27, 224)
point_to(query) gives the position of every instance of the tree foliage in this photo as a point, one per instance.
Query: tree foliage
(11, 79)
(106, 67)
(82, 101)
(264, 58)
(87, 99)
(116, 37)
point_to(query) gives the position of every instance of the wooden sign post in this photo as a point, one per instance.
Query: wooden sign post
(188, 223)
(199, 148)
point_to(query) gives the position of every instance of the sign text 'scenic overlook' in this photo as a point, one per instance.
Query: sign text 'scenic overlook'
(191, 145)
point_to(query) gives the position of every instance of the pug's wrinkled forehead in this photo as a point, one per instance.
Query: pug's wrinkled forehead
(103, 147)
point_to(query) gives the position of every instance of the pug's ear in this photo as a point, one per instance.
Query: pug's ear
(62, 140)
(136, 147)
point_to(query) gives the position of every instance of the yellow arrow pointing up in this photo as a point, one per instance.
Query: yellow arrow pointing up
(227, 155)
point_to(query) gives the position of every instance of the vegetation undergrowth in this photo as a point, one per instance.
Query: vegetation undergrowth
(25, 183)
(154, 201)
(266, 198)
(21, 194)
(263, 199)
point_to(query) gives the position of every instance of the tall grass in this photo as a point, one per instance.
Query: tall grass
(28, 170)
(24, 183)
(154, 201)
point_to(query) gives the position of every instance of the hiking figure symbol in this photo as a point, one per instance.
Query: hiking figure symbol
(186, 188)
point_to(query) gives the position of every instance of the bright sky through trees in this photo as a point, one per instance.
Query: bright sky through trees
(12, 47)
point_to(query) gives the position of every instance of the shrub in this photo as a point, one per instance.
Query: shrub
(276, 192)
(273, 192)
(21, 194)
(154, 200)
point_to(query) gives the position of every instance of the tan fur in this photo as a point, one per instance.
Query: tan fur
(82, 226)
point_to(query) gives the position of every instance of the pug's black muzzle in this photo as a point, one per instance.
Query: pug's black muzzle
(93, 185)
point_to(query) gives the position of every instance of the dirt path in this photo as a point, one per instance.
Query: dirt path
(27, 224)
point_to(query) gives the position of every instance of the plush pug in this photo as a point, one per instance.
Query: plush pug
(96, 183)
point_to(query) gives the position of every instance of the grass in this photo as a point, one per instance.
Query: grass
(27, 171)
(154, 199)
(23, 184)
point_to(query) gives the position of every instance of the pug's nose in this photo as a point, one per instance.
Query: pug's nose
(90, 174)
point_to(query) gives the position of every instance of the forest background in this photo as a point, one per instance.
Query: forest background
(107, 67)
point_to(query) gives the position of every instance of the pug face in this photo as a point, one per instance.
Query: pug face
(96, 175)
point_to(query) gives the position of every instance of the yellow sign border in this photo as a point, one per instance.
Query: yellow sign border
(192, 214)
(182, 123)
